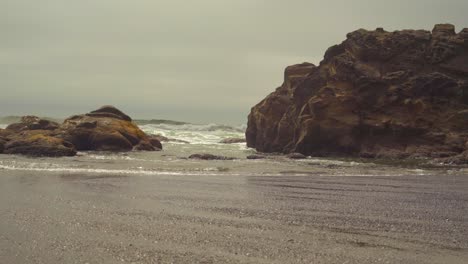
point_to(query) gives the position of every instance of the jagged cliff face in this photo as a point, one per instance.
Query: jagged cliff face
(396, 94)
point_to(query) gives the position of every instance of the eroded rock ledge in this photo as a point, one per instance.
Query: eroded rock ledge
(401, 94)
(105, 129)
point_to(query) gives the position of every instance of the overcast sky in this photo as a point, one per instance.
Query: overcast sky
(190, 60)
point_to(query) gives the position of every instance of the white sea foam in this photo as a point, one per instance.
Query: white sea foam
(196, 134)
(138, 171)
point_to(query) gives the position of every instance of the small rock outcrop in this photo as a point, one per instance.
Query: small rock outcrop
(204, 156)
(105, 129)
(401, 94)
(162, 138)
(255, 157)
(232, 140)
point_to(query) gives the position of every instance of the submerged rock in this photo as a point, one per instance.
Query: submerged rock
(460, 159)
(296, 156)
(155, 142)
(232, 140)
(146, 146)
(209, 157)
(395, 94)
(162, 138)
(255, 157)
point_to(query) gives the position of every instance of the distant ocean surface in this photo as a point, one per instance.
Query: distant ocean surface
(204, 138)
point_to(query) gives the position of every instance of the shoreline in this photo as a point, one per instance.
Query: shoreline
(92, 218)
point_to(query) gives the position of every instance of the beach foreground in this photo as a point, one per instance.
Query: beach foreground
(48, 217)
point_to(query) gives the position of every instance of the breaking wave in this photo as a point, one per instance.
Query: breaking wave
(196, 133)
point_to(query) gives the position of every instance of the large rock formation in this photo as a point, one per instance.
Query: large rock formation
(378, 94)
(105, 129)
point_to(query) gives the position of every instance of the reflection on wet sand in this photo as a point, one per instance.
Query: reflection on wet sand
(100, 218)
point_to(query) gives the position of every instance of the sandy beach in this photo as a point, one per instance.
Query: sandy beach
(48, 217)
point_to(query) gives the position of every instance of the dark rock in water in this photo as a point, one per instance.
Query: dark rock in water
(106, 129)
(460, 159)
(33, 123)
(39, 143)
(232, 140)
(162, 138)
(209, 157)
(255, 157)
(145, 146)
(2, 144)
(296, 156)
(367, 155)
(155, 142)
(385, 94)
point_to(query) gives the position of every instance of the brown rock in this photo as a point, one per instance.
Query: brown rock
(39, 143)
(460, 159)
(156, 142)
(377, 94)
(2, 145)
(5, 133)
(105, 129)
(109, 111)
(443, 30)
(33, 123)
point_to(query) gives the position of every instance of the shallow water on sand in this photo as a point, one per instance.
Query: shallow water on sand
(205, 138)
(173, 161)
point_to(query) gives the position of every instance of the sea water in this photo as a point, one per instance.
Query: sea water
(205, 138)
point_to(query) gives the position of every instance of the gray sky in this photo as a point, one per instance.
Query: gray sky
(200, 61)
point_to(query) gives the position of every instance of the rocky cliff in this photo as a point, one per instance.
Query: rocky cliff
(377, 94)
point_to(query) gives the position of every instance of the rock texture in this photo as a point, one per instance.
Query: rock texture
(39, 143)
(33, 123)
(105, 129)
(378, 94)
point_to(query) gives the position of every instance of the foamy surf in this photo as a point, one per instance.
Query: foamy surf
(196, 134)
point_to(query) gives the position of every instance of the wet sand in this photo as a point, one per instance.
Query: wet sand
(70, 218)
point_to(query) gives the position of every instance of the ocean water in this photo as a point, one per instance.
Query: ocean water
(205, 138)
